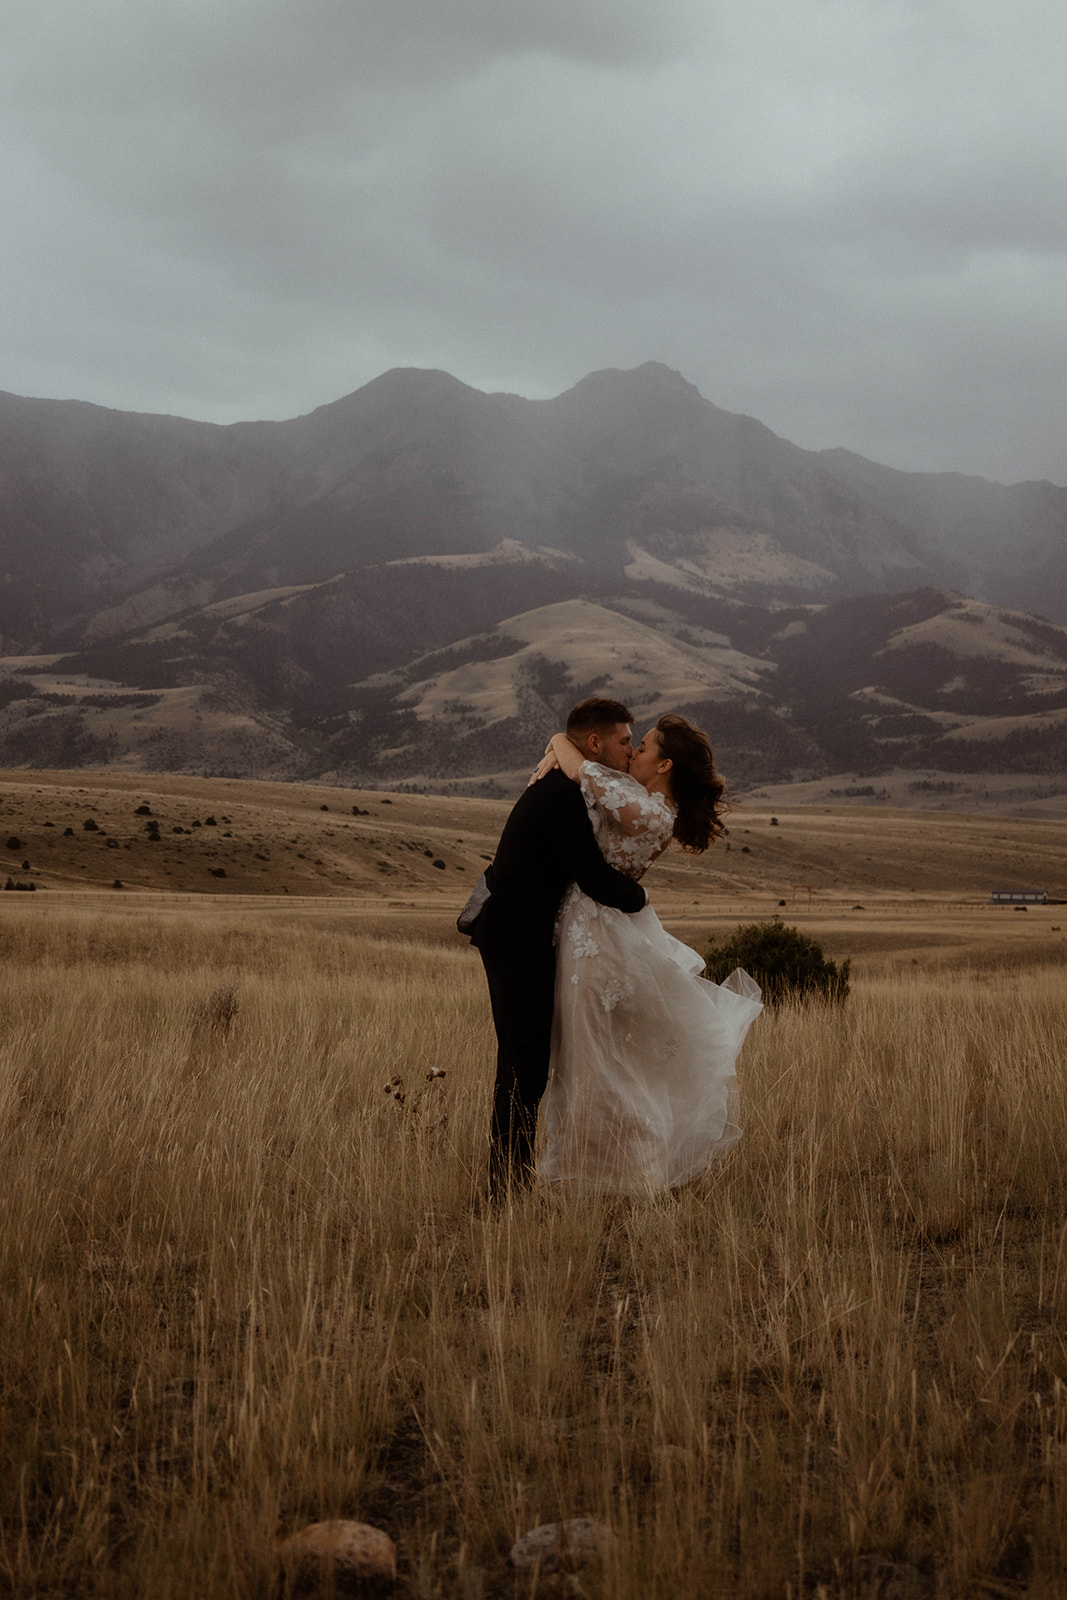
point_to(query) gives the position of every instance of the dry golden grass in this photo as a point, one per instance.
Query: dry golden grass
(245, 1289)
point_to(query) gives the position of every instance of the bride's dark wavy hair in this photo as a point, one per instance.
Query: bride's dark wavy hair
(698, 790)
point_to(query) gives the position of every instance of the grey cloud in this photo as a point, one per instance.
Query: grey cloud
(272, 68)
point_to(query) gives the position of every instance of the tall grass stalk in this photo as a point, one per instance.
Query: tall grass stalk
(244, 1288)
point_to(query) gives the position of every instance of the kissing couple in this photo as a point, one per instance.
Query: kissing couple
(602, 1018)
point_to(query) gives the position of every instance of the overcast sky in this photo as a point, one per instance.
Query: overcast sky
(845, 217)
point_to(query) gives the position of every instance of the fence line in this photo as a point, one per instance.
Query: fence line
(177, 896)
(716, 901)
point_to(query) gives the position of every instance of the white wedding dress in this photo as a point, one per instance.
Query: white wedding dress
(642, 1089)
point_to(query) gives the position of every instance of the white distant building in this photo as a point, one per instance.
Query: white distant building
(1019, 897)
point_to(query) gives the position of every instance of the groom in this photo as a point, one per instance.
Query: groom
(547, 844)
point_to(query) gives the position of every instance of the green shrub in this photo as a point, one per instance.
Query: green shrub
(783, 961)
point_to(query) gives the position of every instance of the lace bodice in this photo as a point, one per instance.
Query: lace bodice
(631, 825)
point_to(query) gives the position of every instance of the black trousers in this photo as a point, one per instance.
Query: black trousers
(521, 993)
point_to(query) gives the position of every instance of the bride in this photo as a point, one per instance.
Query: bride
(642, 1090)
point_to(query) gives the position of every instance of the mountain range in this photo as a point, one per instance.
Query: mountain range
(408, 586)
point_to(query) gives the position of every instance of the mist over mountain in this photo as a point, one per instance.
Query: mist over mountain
(412, 581)
(623, 468)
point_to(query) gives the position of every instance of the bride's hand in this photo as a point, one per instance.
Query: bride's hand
(567, 755)
(546, 764)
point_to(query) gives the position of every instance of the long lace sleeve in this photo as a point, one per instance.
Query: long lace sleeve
(620, 797)
(632, 825)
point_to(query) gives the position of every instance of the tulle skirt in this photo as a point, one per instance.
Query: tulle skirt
(642, 1092)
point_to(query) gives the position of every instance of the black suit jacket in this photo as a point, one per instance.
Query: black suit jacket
(547, 844)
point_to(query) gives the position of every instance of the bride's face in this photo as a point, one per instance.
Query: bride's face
(646, 758)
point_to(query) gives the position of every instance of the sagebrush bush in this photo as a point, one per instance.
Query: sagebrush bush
(783, 961)
(219, 1011)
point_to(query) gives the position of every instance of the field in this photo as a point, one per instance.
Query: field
(245, 1288)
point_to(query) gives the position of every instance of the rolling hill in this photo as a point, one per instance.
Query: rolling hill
(277, 684)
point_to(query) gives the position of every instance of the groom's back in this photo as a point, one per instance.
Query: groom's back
(547, 844)
(533, 863)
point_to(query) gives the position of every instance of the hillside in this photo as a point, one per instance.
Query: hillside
(229, 837)
(419, 673)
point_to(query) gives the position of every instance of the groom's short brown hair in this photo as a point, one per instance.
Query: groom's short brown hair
(590, 716)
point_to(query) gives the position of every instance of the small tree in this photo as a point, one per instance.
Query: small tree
(783, 961)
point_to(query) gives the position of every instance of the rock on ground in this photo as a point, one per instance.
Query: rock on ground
(557, 1546)
(338, 1555)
